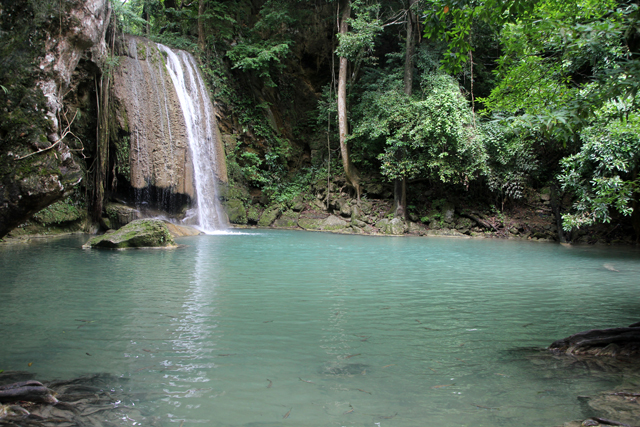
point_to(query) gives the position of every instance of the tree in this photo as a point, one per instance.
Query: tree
(400, 185)
(426, 135)
(603, 175)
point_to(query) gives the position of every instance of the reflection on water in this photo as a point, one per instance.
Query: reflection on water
(313, 329)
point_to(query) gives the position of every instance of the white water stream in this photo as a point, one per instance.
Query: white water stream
(200, 126)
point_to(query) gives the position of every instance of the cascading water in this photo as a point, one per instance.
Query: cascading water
(175, 155)
(201, 135)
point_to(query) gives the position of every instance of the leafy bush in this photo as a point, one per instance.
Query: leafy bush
(604, 174)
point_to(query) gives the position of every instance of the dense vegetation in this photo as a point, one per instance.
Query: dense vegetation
(482, 98)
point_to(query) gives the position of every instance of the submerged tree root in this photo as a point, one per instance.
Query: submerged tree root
(601, 342)
(84, 401)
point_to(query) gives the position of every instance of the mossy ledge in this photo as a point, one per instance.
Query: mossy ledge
(141, 233)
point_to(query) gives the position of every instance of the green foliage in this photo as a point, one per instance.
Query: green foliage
(287, 191)
(510, 160)
(358, 43)
(555, 69)
(259, 56)
(63, 211)
(122, 157)
(603, 175)
(429, 134)
(452, 21)
(265, 45)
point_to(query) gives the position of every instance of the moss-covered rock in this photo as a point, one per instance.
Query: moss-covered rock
(269, 215)
(392, 226)
(236, 211)
(59, 212)
(120, 215)
(288, 219)
(310, 223)
(141, 233)
(253, 215)
(333, 223)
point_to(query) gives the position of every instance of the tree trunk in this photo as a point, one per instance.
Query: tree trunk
(351, 173)
(635, 204)
(411, 45)
(201, 33)
(400, 185)
(555, 207)
(147, 17)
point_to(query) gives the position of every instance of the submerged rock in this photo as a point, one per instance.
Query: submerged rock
(142, 233)
(182, 230)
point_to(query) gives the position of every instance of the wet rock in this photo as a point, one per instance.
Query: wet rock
(141, 233)
(356, 222)
(182, 230)
(448, 212)
(236, 211)
(395, 226)
(120, 215)
(464, 225)
(416, 228)
(601, 342)
(344, 207)
(37, 167)
(253, 215)
(269, 215)
(446, 232)
(310, 223)
(366, 207)
(298, 206)
(288, 219)
(333, 223)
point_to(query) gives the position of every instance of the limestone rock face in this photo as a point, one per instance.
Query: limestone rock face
(141, 233)
(36, 165)
(150, 112)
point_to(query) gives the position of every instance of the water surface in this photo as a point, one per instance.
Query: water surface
(243, 329)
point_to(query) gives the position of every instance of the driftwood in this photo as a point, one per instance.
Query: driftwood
(476, 217)
(601, 342)
(29, 391)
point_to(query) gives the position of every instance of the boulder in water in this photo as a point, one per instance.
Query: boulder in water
(141, 233)
(182, 230)
(601, 342)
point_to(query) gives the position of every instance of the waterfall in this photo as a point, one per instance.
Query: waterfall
(200, 121)
(175, 153)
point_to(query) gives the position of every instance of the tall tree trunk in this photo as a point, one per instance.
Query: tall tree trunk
(351, 173)
(411, 47)
(147, 17)
(635, 203)
(201, 33)
(400, 185)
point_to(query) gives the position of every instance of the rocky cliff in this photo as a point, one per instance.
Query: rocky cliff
(41, 45)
